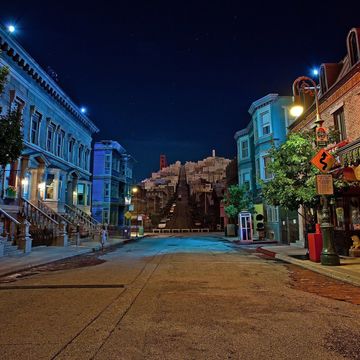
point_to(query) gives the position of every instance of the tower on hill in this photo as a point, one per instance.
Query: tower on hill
(163, 162)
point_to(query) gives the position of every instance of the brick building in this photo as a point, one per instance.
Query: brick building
(339, 106)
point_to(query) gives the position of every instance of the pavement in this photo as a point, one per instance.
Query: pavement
(348, 271)
(41, 255)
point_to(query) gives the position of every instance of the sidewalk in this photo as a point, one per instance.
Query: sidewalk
(348, 271)
(42, 255)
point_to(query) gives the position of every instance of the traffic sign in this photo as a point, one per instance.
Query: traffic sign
(323, 160)
(324, 185)
(128, 215)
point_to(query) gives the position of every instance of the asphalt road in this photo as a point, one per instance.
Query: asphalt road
(174, 298)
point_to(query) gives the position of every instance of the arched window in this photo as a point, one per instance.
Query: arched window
(323, 82)
(353, 48)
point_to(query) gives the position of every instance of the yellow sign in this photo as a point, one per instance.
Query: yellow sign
(128, 215)
(357, 172)
(323, 161)
(324, 185)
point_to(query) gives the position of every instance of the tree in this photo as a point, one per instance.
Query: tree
(236, 200)
(293, 182)
(11, 137)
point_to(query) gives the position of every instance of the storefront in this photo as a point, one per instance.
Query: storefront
(345, 206)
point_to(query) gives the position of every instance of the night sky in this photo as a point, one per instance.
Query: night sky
(177, 77)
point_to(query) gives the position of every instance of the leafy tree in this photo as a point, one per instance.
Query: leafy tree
(11, 137)
(294, 177)
(236, 200)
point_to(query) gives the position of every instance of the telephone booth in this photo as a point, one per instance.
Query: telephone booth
(245, 227)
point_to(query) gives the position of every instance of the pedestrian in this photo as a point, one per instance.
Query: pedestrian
(103, 236)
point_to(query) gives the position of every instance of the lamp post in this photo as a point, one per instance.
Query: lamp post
(135, 190)
(308, 86)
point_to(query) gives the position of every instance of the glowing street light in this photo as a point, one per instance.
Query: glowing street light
(134, 190)
(315, 72)
(83, 110)
(296, 110)
(11, 28)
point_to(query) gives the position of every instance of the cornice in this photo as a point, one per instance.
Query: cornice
(262, 102)
(24, 61)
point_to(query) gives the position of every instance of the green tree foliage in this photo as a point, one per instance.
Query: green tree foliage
(294, 182)
(236, 200)
(11, 137)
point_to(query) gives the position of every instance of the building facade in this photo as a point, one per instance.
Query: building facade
(54, 166)
(112, 180)
(339, 107)
(268, 126)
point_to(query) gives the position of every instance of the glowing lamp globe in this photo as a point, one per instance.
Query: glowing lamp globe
(296, 110)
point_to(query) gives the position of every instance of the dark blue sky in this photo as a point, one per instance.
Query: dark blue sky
(177, 77)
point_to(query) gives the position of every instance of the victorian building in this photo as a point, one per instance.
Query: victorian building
(53, 174)
(268, 126)
(112, 180)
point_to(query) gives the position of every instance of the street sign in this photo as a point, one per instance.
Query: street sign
(131, 207)
(324, 185)
(128, 215)
(323, 160)
(321, 136)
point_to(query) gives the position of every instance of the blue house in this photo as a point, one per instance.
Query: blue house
(268, 126)
(52, 177)
(112, 179)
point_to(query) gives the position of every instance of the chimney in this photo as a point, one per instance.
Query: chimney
(213, 153)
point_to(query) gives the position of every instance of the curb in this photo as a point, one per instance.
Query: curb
(330, 272)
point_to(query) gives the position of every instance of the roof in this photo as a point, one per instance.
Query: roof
(261, 102)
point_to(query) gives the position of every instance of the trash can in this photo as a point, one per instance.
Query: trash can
(315, 246)
(141, 231)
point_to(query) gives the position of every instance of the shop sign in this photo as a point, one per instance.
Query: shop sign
(321, 136)
(131, 207)
(323, 160)
(324, 185)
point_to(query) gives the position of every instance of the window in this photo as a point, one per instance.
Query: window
(50, 138)
(107, 163)
(267, 173)
(339, 122)
(245, 180)
(35, 126)
(88, 194)
(265, 123)
(323, 83)
(80, 155)
(71, 150)
(257, 168)
(60, 142)
(87, 162)
(49, 187)
(107, 190)
(114, 190)
(244, 149)
(81, 194)
(353, 48)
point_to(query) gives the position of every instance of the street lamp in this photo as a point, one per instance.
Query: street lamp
(328, 254)
(135, 190)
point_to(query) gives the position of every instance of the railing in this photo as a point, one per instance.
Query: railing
(11, 227)
(76, 217)
(83, 214)
(37, 216)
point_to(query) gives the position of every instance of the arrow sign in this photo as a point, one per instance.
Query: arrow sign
(323, 160)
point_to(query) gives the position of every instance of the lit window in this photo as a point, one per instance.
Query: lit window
(265, 123)
(49, 187)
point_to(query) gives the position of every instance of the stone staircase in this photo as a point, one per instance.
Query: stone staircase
(12, 250)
